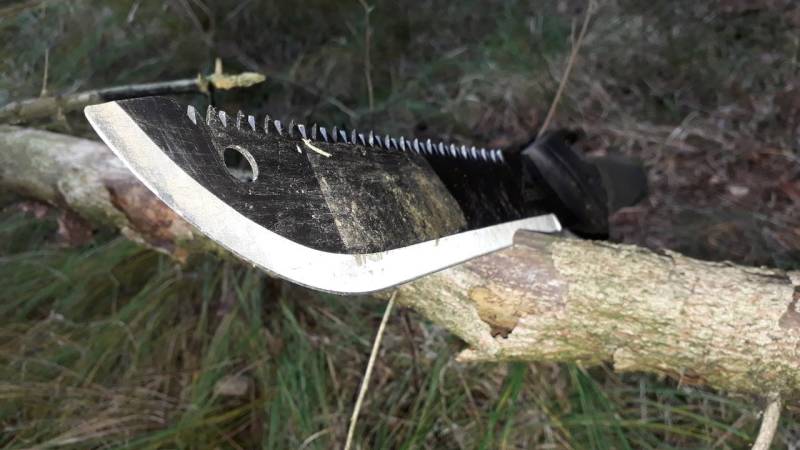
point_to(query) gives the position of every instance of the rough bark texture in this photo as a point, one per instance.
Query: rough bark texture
(84, 177)
(555, 299)
(547, 298)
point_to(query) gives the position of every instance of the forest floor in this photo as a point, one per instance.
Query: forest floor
(108, 344)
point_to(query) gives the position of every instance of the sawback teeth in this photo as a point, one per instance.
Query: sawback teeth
(210, 115)
(217, 117)
(192, 113)
(239, 120)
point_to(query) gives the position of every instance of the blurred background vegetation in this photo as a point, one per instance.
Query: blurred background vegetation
(109, 344)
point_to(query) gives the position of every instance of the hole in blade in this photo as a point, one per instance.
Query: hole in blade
(240, 164)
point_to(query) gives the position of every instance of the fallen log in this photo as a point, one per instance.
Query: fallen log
(547, 298)
(84, 177)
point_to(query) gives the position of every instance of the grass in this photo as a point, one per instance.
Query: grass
(112, 345)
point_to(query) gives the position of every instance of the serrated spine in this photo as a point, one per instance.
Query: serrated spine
(215, 117)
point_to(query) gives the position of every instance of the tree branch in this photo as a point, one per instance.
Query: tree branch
(86, 178)
(43, 107)
(769, 424)
(554, 299)
(547, 298)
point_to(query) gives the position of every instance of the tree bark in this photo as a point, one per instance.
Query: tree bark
(556, 299)
(86, 178)
(547, 298)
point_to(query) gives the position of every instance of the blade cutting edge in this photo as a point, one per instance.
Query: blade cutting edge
(332, 272)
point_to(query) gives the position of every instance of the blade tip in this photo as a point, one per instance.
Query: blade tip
(92, 110)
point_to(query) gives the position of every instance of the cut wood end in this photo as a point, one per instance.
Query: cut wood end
(232, 81)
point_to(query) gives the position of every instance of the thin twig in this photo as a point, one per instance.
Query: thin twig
(572, 57)
(365, 383)
(43, 93)
(367, 61)
(43, 107)
(769, 424)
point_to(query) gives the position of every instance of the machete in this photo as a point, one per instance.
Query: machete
(337, 210)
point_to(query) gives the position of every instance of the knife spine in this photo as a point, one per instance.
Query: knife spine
(219, 118)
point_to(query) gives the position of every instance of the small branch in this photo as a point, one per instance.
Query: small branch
(46, 72)
(367, 61)
(365, 384)
(85, 177)
(576, 46)
(769, 424)
(43, 107)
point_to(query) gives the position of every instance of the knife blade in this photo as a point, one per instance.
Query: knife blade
(335, 210)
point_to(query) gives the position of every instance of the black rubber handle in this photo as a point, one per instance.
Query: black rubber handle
(587, 190)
